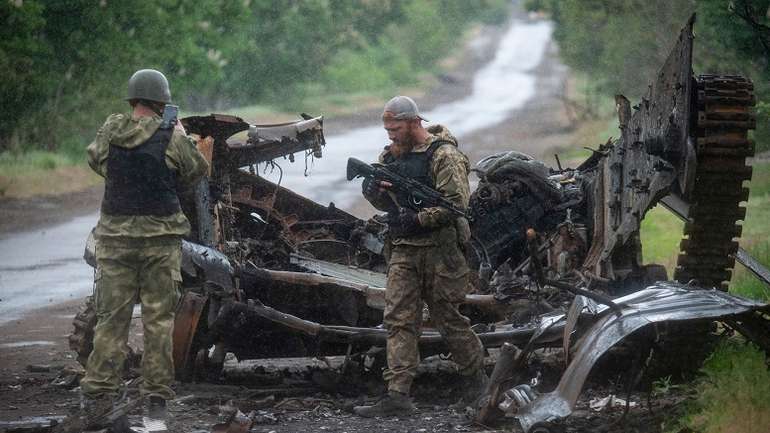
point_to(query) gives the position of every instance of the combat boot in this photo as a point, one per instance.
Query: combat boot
(472, 387)
(393, 404)
(92, 414)
(94, 408)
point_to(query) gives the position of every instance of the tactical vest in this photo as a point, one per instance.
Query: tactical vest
(138, 180)
(414, 165)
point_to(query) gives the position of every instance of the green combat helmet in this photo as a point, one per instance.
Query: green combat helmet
(149, 84)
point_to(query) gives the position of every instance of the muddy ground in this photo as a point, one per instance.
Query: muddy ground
(34, 352)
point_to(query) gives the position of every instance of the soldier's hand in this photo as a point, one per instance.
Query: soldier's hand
(408, 221)
(371, 187)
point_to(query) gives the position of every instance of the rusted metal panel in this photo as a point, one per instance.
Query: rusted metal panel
(264, 142)
(188, 315)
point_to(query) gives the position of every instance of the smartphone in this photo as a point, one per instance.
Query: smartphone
(169, 116)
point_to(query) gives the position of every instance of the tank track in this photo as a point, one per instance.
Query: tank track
(725, 116)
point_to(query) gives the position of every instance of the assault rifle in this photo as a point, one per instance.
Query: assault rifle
(417, 196)
(411, 194)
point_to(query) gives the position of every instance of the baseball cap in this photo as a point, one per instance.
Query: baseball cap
(402, 108)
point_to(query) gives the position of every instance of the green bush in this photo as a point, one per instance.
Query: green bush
(622, 43)
(373, 68)
(425, 36)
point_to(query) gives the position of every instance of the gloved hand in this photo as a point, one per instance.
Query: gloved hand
(370, 187)
(404, 223)
(409, 220)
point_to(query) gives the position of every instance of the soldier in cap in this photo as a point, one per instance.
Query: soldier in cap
(138, 240)
(426, 260)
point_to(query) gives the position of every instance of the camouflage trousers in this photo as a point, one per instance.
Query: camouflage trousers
(438, 277)
(128, 271)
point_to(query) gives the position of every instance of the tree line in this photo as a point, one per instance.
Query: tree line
(65, 63)
(620, 44)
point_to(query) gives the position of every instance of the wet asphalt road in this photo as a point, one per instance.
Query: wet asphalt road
(44, 267)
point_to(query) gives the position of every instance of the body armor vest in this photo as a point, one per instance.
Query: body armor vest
(138, 180)
(414, 165)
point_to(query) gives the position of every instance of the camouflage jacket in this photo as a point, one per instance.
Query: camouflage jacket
(449, 170)
(181, 156)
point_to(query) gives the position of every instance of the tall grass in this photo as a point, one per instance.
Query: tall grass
(16, 163)
(732, 395)
(745, 284)
(661, 232)
(39, 172)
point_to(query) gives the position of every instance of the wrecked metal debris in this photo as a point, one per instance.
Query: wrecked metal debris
(663, 302)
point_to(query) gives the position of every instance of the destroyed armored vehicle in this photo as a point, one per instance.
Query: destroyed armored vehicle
(268, 273)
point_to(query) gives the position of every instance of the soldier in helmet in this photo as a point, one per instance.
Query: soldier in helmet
(138, 240)
(426, 262)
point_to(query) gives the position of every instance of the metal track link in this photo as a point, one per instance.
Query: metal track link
(725, 116)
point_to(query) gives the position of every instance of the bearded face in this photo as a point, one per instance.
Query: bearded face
(401, 135)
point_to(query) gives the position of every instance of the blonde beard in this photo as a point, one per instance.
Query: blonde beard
(398, 149)
(401, 148)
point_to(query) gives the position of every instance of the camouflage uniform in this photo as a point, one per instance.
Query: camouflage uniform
(138, 259)
(432, 268)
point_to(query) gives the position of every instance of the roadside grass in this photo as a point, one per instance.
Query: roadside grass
(661, 233)
(744, 283)
(40, 173)
(731, 393)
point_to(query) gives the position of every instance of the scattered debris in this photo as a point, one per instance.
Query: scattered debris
(35, 368)
(238, 422)
(611, 401)
(68, 378)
